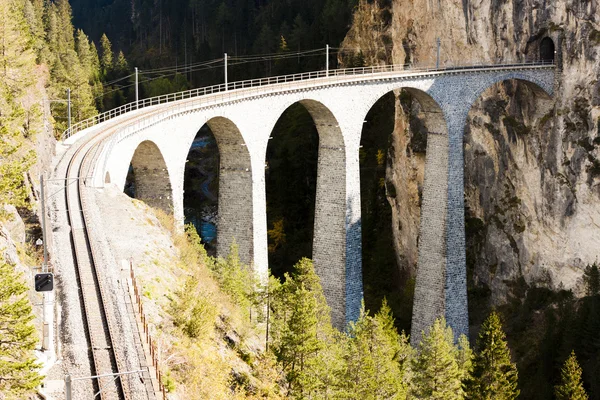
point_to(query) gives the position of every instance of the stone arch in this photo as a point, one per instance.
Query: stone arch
(547, 50)
(235, 205)
(151, 179)
(540, 84)
(329, 229)
(429, 301)
(542, 87)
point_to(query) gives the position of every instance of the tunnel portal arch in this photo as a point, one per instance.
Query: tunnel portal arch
(547, 50)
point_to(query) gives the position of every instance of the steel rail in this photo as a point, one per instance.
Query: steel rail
(104, 355)
(99, 318)
(330, 76)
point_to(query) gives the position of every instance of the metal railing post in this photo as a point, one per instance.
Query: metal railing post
(225, 71)
(437, 62)
(326, 60)
(69, 106)
(68, 388)
(137, 98)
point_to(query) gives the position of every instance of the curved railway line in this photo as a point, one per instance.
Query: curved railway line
(100, 322)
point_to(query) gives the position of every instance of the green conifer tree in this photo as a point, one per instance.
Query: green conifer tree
(302, 336)
(377, 358)
(82, 46)
(571, 387)
(106, 56)
(18, 369)
(17, 58)
(591, 278)
(437, 370)
(121, 65)
(97, 88)
(494, 375)
(95, 61)
(17, 63)
(67, 71)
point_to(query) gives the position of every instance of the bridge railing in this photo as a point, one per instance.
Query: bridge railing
(408, 68)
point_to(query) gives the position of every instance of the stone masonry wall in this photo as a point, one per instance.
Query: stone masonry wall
(151, 177)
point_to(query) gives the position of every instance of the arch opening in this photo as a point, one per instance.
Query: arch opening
(229, 183)
(504, 150)
(306, 198)
(201, 187)
(402, 140)
(148, 177)
(547, 50)
(291, 179)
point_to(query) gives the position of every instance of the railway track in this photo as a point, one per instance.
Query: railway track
(101, 323)
(99, 318)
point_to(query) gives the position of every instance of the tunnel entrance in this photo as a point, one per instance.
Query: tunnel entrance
(547, 50)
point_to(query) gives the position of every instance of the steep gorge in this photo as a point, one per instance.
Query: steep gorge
(532, 169)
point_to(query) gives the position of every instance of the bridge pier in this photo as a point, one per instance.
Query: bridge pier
(429, 301)
(236, 210)
(329, 239)
(456, 312)
(353, 273)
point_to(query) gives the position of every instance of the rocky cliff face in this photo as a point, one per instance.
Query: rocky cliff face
(532, 168)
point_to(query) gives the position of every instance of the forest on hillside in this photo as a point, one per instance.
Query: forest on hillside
(187, 32)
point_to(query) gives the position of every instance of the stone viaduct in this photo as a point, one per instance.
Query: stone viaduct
(157, 144)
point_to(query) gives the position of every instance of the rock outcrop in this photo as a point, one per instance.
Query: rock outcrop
(532, 169)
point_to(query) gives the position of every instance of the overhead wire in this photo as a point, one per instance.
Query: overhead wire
(266, 56)
(283, 57)
(215, 63)
(116, 80)
(180, 67)
(150, 79)
(278, 55)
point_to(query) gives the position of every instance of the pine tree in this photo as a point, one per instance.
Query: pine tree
(377, 358)
(17, 58)
(95, 62)
(302, 336)
(591, 278)
(66, 67)
(18, 370)
(97, 88)
(571, 387)
(121, 65)
(437, 369)
(17, 62)
(106, 56)
(494, 375)
(82, 46)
